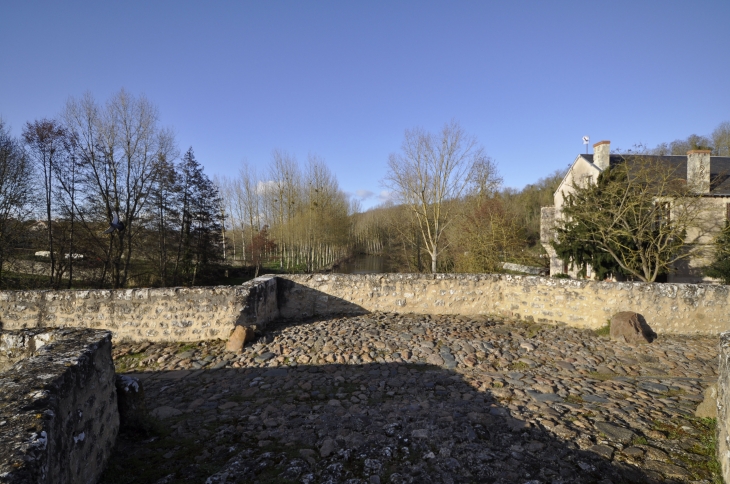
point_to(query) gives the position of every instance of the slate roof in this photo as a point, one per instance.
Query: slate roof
(719, 169)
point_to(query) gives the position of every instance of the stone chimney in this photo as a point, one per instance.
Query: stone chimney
(601, 154)
(698, 171)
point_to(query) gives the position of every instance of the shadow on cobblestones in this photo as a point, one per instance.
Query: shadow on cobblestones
(370, 423)
(386, 397)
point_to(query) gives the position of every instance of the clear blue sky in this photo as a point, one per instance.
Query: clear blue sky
(344, 79)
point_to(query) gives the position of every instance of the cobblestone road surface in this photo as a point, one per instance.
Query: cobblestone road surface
(387, 398)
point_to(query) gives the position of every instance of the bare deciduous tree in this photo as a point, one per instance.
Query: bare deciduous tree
(44, 141)
(120, 146)
(430, 173)
(15, 193)
(283, 197)
(250, 194)
(721, 139)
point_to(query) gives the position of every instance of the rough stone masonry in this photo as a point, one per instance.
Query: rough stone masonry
(199, 314)
(204, 313)
(58, 407)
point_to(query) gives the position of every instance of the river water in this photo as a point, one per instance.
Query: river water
(363, 264)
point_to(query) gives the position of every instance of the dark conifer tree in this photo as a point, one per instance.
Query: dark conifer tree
(198, 202)
(720, 267)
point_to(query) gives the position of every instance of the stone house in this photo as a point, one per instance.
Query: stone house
(708, 176)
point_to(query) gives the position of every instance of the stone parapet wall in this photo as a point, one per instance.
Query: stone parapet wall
(164, 314)
(58, 407)
(201, 313)
(668, 308)
(723, 407)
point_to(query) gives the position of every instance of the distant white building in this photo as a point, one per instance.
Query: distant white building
(709, 175)
(47, 254)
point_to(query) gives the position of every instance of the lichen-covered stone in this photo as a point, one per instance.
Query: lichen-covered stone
(16, 345)
(58, 409)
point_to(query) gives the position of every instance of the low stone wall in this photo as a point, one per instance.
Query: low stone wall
(63, 379)
(58, 407)
(200, 313)
(531, 270)
(723, 407)
(668, 308)
(165, 314)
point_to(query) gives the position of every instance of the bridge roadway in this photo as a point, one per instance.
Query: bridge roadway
(393, 398)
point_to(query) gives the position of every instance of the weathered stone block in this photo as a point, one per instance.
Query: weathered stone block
(64, 428)
(632, 328)
(239, 337)
(708, 407)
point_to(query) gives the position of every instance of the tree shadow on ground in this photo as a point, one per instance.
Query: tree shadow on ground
(339, 423)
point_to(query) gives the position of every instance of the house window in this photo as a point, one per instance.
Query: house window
(727, 211)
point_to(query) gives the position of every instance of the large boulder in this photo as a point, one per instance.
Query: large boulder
(239, 337)
(631, 327)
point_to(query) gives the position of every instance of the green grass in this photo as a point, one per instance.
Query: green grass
(704, 430)
(19, 280)
(601, 376)
(124, 363)
(639, 441)
(708, 448)
(574, 399)
(673, 430)
(604, 330)
(673, 393)
(187, 347)
(520, 366)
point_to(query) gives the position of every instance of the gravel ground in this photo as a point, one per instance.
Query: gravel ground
(392, 398)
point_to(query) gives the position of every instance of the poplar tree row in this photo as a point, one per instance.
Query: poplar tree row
(287, 216)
